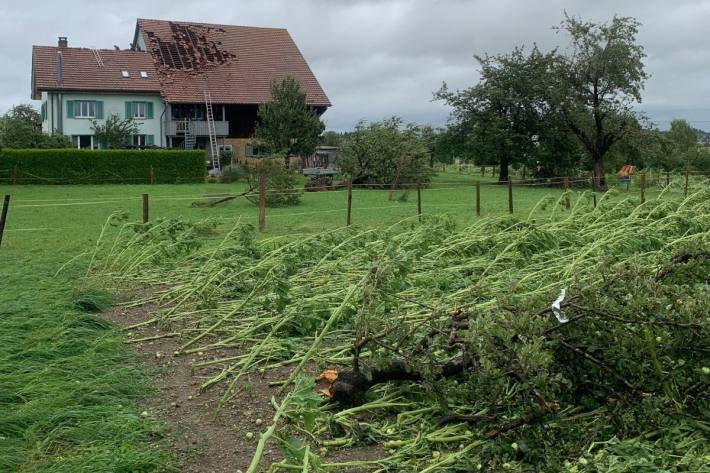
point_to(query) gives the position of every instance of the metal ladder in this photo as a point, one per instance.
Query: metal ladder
(190, 139)
(214, 152)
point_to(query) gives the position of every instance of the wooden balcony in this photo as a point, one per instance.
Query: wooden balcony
(195, 127)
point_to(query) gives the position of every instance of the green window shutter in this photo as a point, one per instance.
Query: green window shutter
(99, 109)
(129, 109)
(150, 140)
(149, 110)
(44, 111)
(70, 109)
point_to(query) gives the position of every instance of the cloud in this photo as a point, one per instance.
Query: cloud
(382, 58)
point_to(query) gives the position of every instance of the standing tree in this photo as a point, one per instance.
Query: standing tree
(682, 135)
(503, 113)
(385, 152)
(287, 124)
(115, 132)
(21, 127)
(599, 82)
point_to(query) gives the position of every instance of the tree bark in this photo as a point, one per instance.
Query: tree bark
(503, 175)
(598, 177)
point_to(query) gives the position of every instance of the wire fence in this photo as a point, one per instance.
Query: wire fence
(464, 192)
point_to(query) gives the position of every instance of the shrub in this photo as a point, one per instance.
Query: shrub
(75, 166)
(234, 173)
(226, 158)
(281, 183)
(318, 184)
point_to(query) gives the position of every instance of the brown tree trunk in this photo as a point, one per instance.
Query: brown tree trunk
(598, 178)
(503, 175)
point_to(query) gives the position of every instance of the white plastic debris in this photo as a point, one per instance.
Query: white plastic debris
(561, 317)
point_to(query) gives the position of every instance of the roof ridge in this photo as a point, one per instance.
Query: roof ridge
(83, 48)
(200, 23)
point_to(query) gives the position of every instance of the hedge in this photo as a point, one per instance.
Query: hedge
(75, 166)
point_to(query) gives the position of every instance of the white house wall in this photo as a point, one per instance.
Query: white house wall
(114, 104)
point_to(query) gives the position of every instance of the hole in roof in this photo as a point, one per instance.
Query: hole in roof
(144, 74)
(125, 74)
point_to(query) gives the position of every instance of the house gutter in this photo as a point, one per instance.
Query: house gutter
(162, 135)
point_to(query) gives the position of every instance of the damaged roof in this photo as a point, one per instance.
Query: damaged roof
(235, 64)
(85, 69)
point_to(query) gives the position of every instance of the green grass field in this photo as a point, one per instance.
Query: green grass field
(70, 390)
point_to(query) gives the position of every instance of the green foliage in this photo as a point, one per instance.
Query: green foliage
(115, 132)
(507, 117)
(682, 135)
(21, 127)
(282, 184)
(287, 124)
(597, 84)
(331, 138)
(385, 152)
(627, 372)
(543, 109)
(234, 173)
(91, 295)
(73, 166)
(226, 158)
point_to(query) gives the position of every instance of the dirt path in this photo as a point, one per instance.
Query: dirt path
(202, 443)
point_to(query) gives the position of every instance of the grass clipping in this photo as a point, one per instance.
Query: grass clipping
(449, 338)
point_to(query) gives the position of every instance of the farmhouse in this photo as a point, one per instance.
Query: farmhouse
(187, 84)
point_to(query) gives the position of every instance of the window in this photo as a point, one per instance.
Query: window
(85, 109)
(144, 74)
(138, 110)
(191, 112)
(139, 140)
(125, 74)
(83, 141)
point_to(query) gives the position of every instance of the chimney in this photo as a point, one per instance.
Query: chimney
(60, 81)
(63, 42)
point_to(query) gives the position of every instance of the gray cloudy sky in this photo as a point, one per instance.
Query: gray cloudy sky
(381, 58)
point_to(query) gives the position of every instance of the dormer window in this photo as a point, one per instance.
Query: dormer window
(144, 74)
(125, 74)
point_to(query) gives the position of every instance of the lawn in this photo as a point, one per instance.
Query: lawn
(70, 389)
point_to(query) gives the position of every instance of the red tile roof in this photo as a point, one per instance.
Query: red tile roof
(81, 70)
(236, 64)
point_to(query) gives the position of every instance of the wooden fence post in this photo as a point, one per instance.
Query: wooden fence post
(686, 183)
(483, 171)
(145, 208)
(350, 201)
(152, 175)
(510, 195)
(419, 201)
(478, 198)
(3, 215)
(594, 199)
(262, 201)
(643, 188)
(14, 174)
(566, 185)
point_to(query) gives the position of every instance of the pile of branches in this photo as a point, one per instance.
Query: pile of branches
(455, 349)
